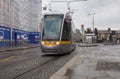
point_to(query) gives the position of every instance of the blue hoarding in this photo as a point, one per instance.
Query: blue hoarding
(18, 36)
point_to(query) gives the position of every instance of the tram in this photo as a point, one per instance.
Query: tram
(57, 34)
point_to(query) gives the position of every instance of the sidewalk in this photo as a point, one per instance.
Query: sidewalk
(92, 63)
(4, 49)
(87, 44)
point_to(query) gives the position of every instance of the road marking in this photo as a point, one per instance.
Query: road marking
(2, 50)
(24, 51)
(7, 59)
(27, 51)
(12, 58)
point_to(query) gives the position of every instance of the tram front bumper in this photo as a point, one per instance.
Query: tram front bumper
(50, 49)
(55, 49)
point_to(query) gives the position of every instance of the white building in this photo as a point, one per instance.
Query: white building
(4, 13)
(21, 14)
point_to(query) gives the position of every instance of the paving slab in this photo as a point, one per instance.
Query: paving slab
(101, 62)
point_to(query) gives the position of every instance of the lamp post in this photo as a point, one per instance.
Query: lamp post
(93, 23)
(10, 20)
(83, 33)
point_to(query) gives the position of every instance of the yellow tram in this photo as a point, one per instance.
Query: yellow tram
(57, 35)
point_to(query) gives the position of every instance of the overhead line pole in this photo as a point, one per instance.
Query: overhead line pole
(93, 25)
(68, 2)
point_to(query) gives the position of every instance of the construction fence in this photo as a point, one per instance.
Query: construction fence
(17, 37)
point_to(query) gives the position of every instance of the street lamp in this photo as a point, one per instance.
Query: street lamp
(93, 23)
(10, 20)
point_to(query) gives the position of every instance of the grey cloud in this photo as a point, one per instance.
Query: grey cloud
(107, 13)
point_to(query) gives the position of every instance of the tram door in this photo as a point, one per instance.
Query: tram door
(66, 35)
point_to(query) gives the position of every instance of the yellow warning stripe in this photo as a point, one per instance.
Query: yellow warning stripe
(65, 42)
(53, 43)
(49, 43)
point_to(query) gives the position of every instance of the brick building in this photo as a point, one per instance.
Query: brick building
(108, 36)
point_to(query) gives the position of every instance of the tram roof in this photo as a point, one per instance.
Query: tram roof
(64, 13)
(54, 13)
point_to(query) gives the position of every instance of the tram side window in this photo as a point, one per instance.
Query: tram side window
(66, 34)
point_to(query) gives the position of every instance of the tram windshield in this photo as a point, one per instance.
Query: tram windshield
(52, 26)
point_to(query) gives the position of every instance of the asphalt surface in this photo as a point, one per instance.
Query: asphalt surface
(9, 57)
(30, 64)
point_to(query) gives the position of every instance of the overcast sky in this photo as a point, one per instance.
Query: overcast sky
(107, 13)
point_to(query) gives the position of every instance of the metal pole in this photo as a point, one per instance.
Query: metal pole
(10, 22)
(50, 7)
(93, 23)
(93, 29)
(83, 33)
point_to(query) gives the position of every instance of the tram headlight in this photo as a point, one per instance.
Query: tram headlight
(43, 42)
(57, 43)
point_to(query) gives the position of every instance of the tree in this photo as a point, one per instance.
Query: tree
(88, 30)
(109, 29)
(96, 34)
(110, 34)
(96, 31)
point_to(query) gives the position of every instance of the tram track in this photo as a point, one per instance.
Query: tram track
(11, 57)
(34, 68)
(15, 69)
(46, 69)
(38, 66)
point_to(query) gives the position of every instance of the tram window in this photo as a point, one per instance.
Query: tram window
(52, 26)
(66, 34)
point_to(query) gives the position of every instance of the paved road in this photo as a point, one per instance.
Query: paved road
(30, 64)
(101, 62)
(18, 55)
